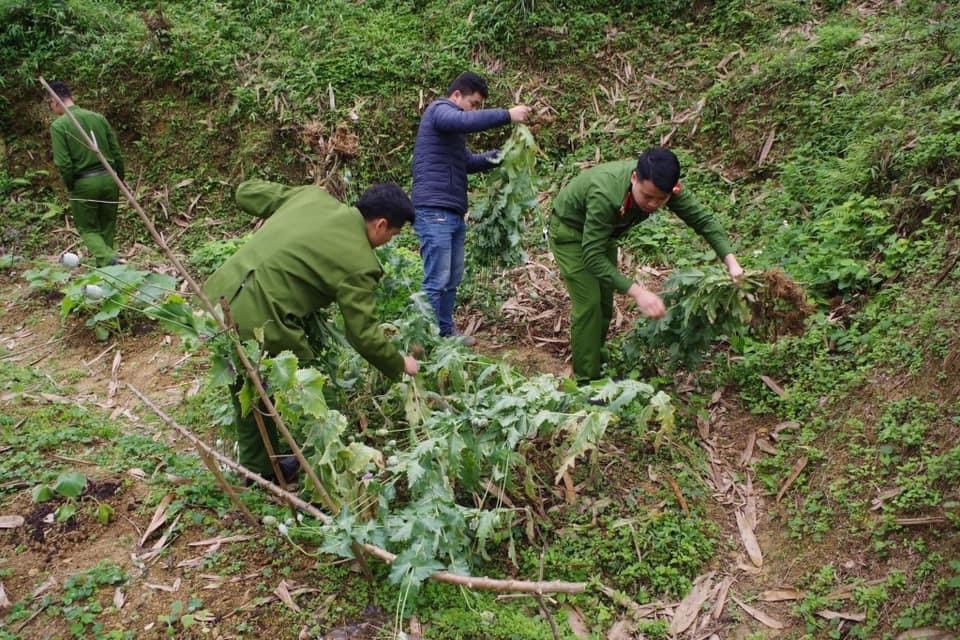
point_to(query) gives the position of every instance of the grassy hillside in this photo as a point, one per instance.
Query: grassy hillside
(825, 135)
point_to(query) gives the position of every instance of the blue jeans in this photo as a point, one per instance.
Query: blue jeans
(441, 233)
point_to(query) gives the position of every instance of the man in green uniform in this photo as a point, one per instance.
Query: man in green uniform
(590, 214)
(93, 193)
(312, 251)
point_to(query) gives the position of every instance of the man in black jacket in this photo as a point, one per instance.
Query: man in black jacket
(441, 162)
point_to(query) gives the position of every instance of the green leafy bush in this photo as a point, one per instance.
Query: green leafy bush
(500, 217)
(703, 306)
(114, 294)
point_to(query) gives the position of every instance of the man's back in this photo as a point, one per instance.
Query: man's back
(441, 160)
(71, 153)
(298, 258)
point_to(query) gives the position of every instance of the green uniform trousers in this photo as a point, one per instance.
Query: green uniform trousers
(93, 203)
(591, 300)
(253, 455)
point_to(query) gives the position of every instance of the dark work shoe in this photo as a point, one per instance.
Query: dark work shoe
(289, 467)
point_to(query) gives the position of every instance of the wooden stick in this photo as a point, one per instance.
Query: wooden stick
(271, 455)
(215, 470)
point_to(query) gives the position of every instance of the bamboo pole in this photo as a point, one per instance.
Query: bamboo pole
(215, 470)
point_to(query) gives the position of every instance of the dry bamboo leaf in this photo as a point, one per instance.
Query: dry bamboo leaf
(912, 522)
(747, 454)
(621, 630)
(679, 494)
(721, 66)
(827, 614)
(877, 502)
(114, 373)
(154, 552)
(782, 426)
(781, 595)
(45, 586)
(159, 515)
(577, 625)
(718, 605)
(703, 428)
(284, 594)
(191, 563)
(498, 494)
(173, 588)
(119, 599)
(193, 205)
(748, 568)
(764, 445)
(659, 83)
(773, 386)
(715, 398)
(161, 543)
(689, 608)
(11, 522)
(846, 591)
(750, 507)
(219, 541)
(569, 490)
(767, 145)
(758, 615)
(926, 633)
(795, 471)
(139, 474)
(416, 629)
(749, 540)
(4, 600)
(52, 397)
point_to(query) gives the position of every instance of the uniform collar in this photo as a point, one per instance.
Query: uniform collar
(628, 202)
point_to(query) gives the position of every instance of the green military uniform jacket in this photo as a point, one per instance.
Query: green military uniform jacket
(593, 204)
(70, 152)
(311, 251)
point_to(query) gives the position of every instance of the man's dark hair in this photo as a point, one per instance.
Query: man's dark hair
(660, 166)
(61, 89)
(467, 83)
(386, 200)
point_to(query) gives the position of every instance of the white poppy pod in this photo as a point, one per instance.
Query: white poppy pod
(70, 260)
(92, 292)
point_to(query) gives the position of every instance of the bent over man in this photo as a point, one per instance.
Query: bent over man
(312, 251)
(590, 214)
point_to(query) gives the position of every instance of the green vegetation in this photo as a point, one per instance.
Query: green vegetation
(825, 135)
